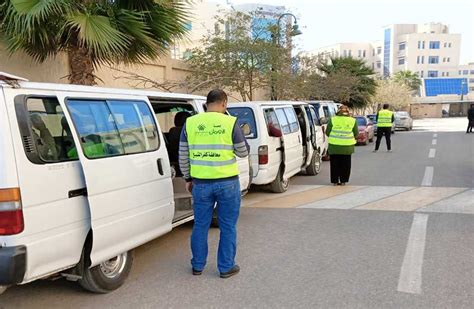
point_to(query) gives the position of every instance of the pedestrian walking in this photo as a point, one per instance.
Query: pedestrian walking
(470, 119)
(208, 148)
(385, 119)
(342, 131)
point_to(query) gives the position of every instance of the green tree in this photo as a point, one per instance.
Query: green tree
(359, 85)
(409, 79)
(396, 94)
(239, 56)
(92, 33)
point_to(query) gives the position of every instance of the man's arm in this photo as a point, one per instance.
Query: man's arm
(377, 117)
(329, 127)
(184, 155)
(241, 147)
(393, 117)
(355, 130)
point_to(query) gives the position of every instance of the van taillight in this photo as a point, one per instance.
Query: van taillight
(263, 154)
(11, 213)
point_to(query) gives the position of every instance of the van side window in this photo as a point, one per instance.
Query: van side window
(285, 125)
(291, 116)
(327, 114)
(111, 128)
(50, 130)
(273, 125)
(313, 116)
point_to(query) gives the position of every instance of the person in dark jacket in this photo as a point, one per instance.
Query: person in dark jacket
(342, 131)
(173, 139)
(470, 119)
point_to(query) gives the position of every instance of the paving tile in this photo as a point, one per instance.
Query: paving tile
(459, 203)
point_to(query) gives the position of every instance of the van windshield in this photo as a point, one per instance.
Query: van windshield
(245, 116)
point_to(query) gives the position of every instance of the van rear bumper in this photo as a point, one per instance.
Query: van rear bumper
(12, 265)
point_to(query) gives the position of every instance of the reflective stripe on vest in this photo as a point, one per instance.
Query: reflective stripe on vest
(211, 149)
(341, 132)
(385, 118)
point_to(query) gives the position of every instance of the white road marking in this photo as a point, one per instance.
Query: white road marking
(432, 153)
(411, 270)
(428, 177)
(435, 135)
(434, 142)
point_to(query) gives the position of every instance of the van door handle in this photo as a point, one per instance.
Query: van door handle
(77, 192)
(160, 166)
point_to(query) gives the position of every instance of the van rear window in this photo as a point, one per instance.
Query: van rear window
(115, 127)
(245, 115)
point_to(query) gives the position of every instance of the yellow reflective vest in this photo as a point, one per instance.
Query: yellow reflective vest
(211, 149)
(341, 132)
(385, 118)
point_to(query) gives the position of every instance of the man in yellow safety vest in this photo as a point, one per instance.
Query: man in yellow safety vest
(385, 119)
(208, 148)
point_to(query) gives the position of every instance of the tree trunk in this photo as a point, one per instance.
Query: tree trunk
(81, 67)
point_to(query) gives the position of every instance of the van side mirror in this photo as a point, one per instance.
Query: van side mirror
(245, 129)
(324, 120)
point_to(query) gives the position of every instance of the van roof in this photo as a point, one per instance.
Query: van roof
(265, 103)
(321, 101)
(95, 89)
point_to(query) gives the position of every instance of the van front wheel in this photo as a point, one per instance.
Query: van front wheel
(280, 185)
(108, 275)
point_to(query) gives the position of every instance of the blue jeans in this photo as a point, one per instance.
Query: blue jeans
(227, 196)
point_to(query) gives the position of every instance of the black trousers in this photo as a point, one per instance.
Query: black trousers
(470, 125)
(340, 168)
(387, 131)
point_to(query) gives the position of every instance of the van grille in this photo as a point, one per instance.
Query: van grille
(28, 144)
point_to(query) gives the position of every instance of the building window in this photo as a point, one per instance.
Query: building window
(471, 89)
(363, 53)
(422, 59)
(444, 59)
(445, 44)
(465, 72)
(471, 72)
(421, 73)
(401, 61)
(401, 46)
(423, 45)
(350, 53)
(344, 53)
(448, 59)
(373, 65)
(471, 80)
(379, 50)
(432, 73)
(442, 74)
(419, 44)
(460, 72)
(379, 64)
(447, 73)
(449, 45)
(373, 52)
(434, 44)
(417, 59)
(433, 59)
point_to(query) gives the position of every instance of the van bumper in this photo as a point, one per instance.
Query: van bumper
(12, 265)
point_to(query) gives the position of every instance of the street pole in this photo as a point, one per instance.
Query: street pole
(276, 40)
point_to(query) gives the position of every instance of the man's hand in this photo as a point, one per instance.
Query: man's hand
(189, 187)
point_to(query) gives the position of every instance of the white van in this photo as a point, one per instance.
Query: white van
(277, 148)
(324, 111)
(84, 179)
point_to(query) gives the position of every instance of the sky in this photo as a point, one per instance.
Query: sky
(326, 22)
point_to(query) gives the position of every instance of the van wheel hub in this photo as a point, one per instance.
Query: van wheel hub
(114, 267)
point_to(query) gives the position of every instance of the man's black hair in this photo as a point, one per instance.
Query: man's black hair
(216, 96)
(385, 106)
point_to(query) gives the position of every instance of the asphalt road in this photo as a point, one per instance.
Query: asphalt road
(310, 257)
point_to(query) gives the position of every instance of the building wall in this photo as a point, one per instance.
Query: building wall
(433, 110)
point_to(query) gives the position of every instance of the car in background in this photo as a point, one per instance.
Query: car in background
(366, 130)
(403, 121)
(373, 118)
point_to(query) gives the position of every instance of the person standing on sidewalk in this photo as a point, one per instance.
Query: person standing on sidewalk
(342, 130)
(208, 148)
(470, 119)
(385, 119)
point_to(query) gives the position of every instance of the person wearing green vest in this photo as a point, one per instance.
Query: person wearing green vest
(384, 119)
(342, 131)
(208, 148)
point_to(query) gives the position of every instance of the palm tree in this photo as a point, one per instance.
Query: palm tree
(91, 32)
(365, 85)
(409, 79)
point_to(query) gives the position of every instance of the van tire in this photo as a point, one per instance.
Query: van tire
(315, 166)
(3, 288)
(104, 277)
(279, 185)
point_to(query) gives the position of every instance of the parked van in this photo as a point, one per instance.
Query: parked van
(324, 111)
(85, 177)
(279, 148)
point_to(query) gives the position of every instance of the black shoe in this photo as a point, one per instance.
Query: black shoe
(197, 272)
(234, 271)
